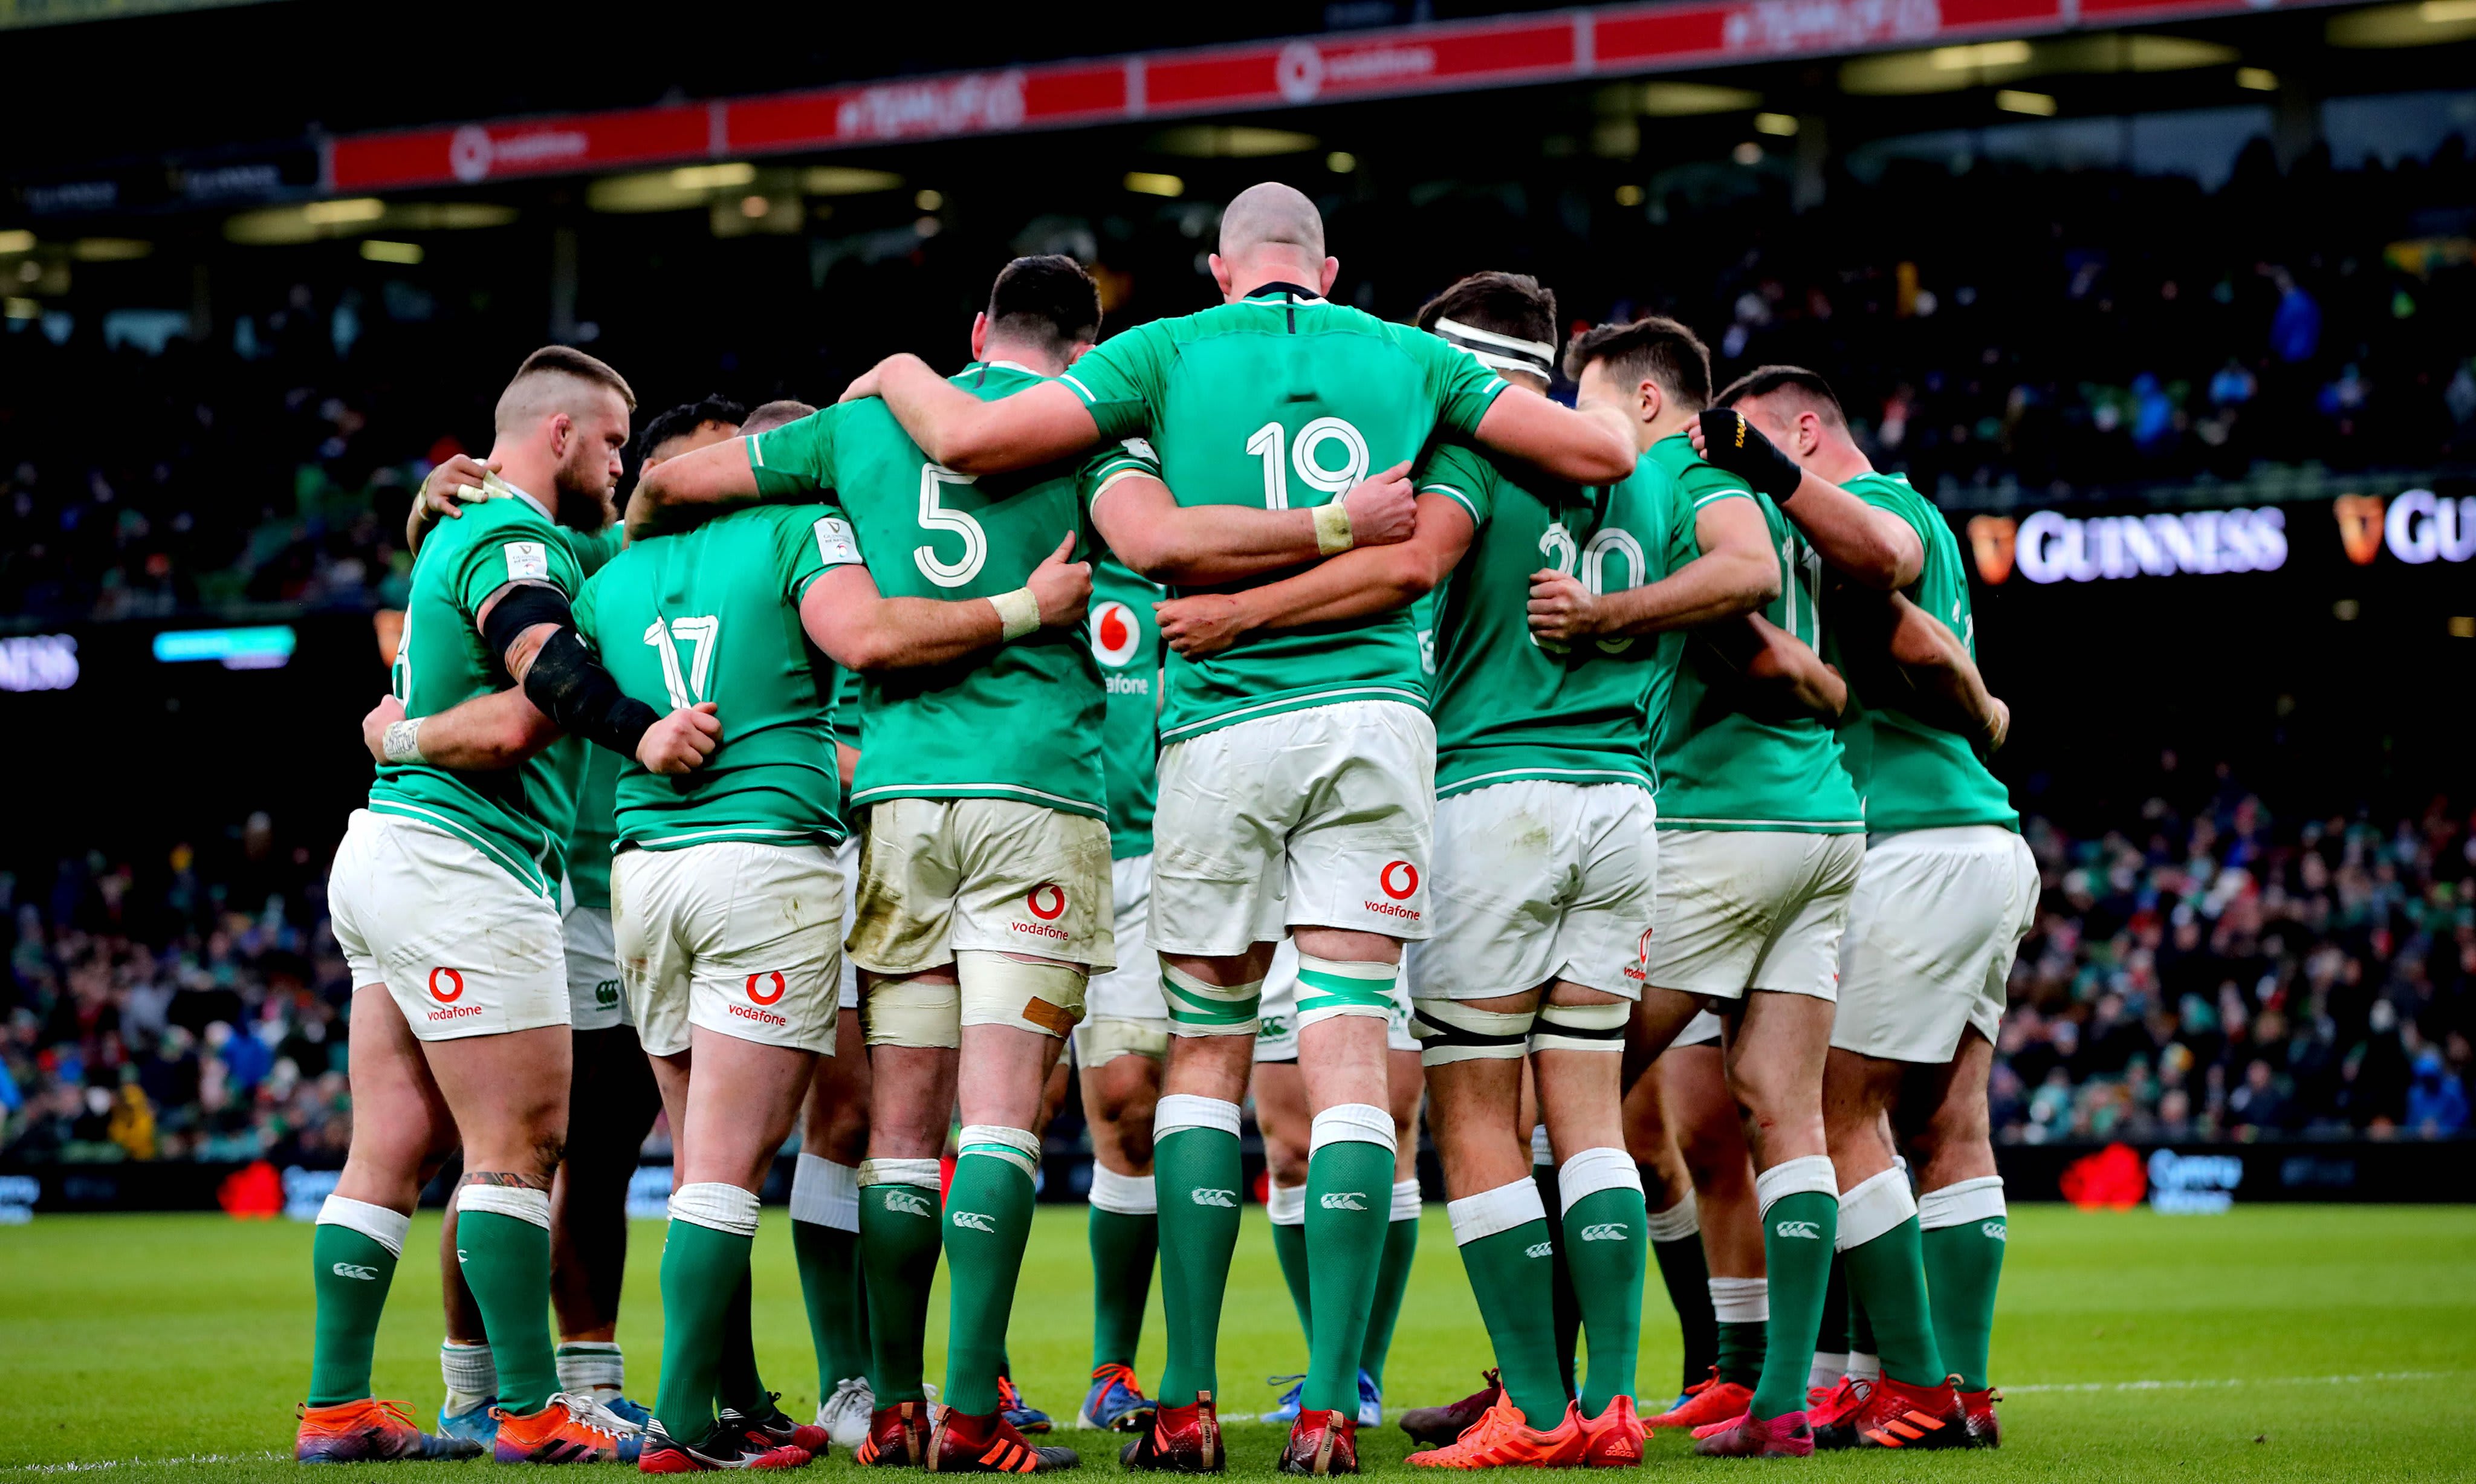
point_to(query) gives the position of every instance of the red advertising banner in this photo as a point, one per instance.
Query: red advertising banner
(927, 108)
(1430, 59)
(474, 153)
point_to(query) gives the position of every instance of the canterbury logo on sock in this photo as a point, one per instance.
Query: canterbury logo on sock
(1605, 1231)
(1346, 1200)
(353, 1270)
(1806, 1229)
(974, 1220)
(1203, 1196)
(1539, 1250)
(909, 1205)
(1993, 1229)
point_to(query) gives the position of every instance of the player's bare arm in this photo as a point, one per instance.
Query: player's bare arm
(1944, 687)
(1207, 544)
(1737, 573)
(444, 494)
(1036, 426)
(682, 491)
(481, 735)
(1355, 585)
(1780, 676)
(1872, 547)
(846, 616)
(1593, 445)
(534, 635)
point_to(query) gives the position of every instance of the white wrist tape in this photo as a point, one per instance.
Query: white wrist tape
(1333, 529)
(403, 740)
(1018, 611)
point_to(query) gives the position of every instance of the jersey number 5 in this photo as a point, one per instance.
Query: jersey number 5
(699, 636)
(934, 517)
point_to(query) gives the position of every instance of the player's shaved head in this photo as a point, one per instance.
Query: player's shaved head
(1793, 389)
(1273, 215)
(771, 415)
(558, 378)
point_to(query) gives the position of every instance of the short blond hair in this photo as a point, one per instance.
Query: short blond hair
(547, 382)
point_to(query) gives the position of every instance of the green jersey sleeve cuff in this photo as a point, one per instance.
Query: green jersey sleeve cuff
(1458, 496)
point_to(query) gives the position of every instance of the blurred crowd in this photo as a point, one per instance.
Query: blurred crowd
(2206, 970)
(1999, 327)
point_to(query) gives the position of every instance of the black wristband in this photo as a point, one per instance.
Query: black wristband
(1732, 444)
(575, 692)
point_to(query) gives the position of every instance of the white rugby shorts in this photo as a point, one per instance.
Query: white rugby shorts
(738, 937)
(1123, 1011)
(1538, 880)
(1315, 818)
(596, 1001)
(938, 875)
(847, 866)
(464, 949)
(1933, 927)
(1745, 909)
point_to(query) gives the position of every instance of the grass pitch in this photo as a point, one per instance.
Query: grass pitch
(2274, 1343)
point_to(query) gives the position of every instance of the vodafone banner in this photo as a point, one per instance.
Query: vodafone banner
(1617, 40)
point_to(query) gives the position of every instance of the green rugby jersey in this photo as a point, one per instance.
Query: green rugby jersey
(1021, 720)
(1921, 777)
(1125, 639)
(849, 723)
(713, 614)
(1720, 768)
(595, 769)
(1282, 401)
(518, 817)
(1509, 705)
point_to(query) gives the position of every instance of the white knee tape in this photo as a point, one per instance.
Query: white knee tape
(523, 1203)
(1741, 1301)
(719, 1207)
(911, 1013)
(1406, 1201)
(1677, 1222)
(1873, 1206)
(1330, 988)
(1186, 1110)
(1286, 1204)
(924, 1173)
(1200, 1009)
(1016, 1147)
(1581, 1028)
(998, 990)
(1493, 1211)
(826, 1194)
(1957, 1205)
(1451, 1031)
(1810, 1172)
(1353, 1123)
(1595, 1170)
(376, 1223)
(1543, 1149)
(1124, 1195)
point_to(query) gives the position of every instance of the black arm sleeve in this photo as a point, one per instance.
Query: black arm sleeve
(567, 682)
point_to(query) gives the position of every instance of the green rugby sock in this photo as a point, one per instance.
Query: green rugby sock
(352, 1263)
(898, 1252)
(1350, 1204)
(1564, 1310)
(988, 1220)
(705, 1280)
(1197, 1171)
(1676, 1245)
(1392, 1280)
(1965, 1227)
(1743, 1310)
(502, 1246)
(1287, 1206)
(736, 1383)
(1887, 1276)
(1605, 1233)
(1800, 1217)
(1502, 1235)
(825, 1238)
(1125, 1240)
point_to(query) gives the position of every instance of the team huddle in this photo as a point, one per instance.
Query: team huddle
(1274, 702)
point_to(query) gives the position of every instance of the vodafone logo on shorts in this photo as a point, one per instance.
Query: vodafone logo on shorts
(764, 989)
(446, 986)
(1639, 970)
(1047, 902)
(774, 982)
(1398, 879)
(1116, 633)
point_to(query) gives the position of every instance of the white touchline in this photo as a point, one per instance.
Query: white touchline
(144, 1463)
(2200, 1385)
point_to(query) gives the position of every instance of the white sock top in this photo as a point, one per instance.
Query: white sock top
(1186, 1110)
(1595, 1170)
(826, 1194)
(379, 1224)
(1351, 1122)
(1286, 1204)
(1124, 1195)
(1493, 1211)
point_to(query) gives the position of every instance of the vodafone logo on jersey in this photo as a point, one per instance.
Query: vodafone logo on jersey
(1116, 633)
(773, 991)
(446, 986)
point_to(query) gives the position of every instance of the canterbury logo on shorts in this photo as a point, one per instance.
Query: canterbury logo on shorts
(354, 1270)
(1224, 1199)
(908, 1204)
(974, 1220)
(1346, 1200)
(1539, 1250)
(1605, 1231)
(1807, 1230)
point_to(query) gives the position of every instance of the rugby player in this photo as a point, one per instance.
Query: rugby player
(442, 899)
(1296, 782)
(1946, 891)
(612, 1098)
(1761, 835)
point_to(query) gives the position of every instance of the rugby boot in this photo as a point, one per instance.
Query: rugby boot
(1436, 1426)
(777, 1430)
(1896, 1414)
(1116, 1401)
(989, 1444)
(1707, 1401)
(724, 1447)
(897, 1437)
(1785, 1436)
(368, 1431)
(1181, 1440)
(1612, 1439)
(1503, 1438)
(1985, 1430)
(570, 1429)
(1321, 1443)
